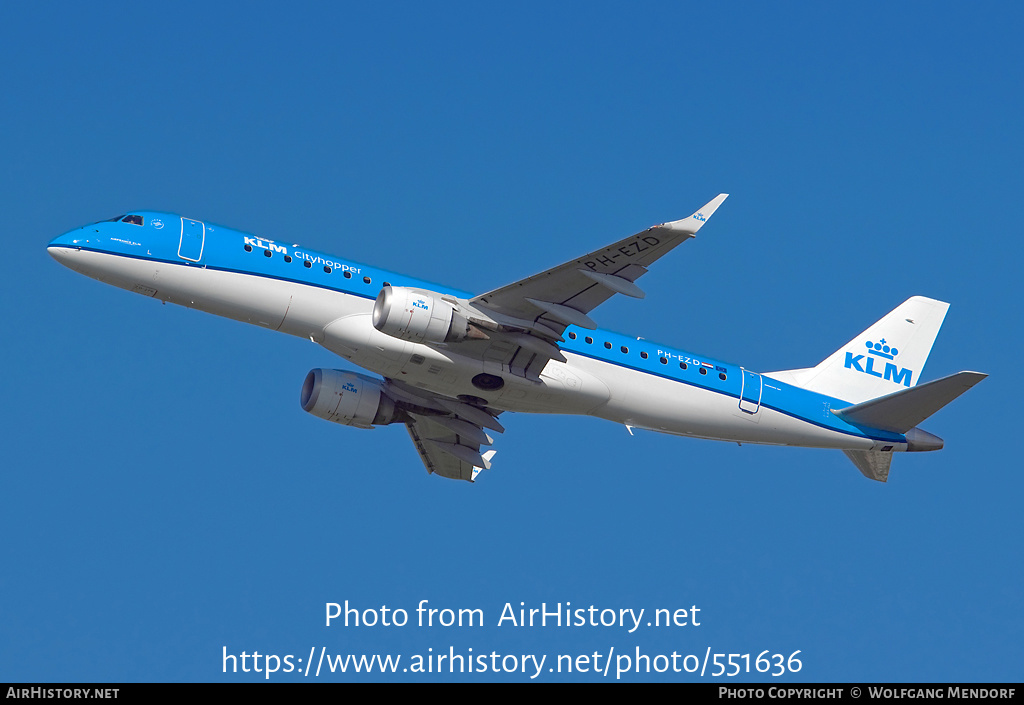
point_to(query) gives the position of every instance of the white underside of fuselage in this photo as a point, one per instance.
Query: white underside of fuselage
(341, 323)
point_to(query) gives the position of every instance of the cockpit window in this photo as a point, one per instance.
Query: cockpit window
(111, 220)
(133, 219)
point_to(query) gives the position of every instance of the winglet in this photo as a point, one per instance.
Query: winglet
(487, 464)
(694, 222)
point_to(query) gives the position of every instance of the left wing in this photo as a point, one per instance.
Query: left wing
(446, 452)
(530, 315)
(564, 294)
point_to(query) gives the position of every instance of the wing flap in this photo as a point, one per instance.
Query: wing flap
(448, 450)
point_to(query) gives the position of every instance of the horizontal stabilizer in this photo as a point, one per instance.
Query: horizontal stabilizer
(873, 464)
(903, 410)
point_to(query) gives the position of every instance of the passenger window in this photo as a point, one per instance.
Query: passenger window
(608, 345)
(624, 349)
(248, 248)
(703, 370)
(305, 263)
(348, 274)
(588, 340)
(572, 336)
(643, 355)
(663, 360)
(366, 280)
(287, 258)
(721, 376)
(327, 269)
(268, 253)
(682, 365)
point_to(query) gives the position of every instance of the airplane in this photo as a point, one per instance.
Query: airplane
(450, 362)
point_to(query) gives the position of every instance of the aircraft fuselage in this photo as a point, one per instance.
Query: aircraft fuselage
(328, 299)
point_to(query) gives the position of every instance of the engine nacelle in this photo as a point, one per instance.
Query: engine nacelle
(417, 316)
(347, 398)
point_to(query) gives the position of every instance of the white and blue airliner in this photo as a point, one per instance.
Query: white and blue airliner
(450, 362)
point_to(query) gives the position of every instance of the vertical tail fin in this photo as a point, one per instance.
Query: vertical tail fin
(887, 357)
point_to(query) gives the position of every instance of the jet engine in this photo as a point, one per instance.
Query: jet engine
(347, 398)
(418, 316)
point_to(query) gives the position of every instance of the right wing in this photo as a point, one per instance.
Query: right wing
(445, 452)
(447, 433)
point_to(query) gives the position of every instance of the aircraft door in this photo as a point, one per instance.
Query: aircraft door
(193, 237)
(750, 392)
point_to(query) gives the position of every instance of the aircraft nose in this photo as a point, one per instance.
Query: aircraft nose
(64, 247)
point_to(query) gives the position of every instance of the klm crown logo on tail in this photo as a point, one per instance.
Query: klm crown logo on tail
(881, 349)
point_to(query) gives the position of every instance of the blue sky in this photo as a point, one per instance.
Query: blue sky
(164, 497)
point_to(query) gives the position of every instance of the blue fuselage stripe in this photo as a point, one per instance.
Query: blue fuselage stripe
(725, 393)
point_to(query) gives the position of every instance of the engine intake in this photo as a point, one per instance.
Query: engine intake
(347, 398)
(417, 316)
